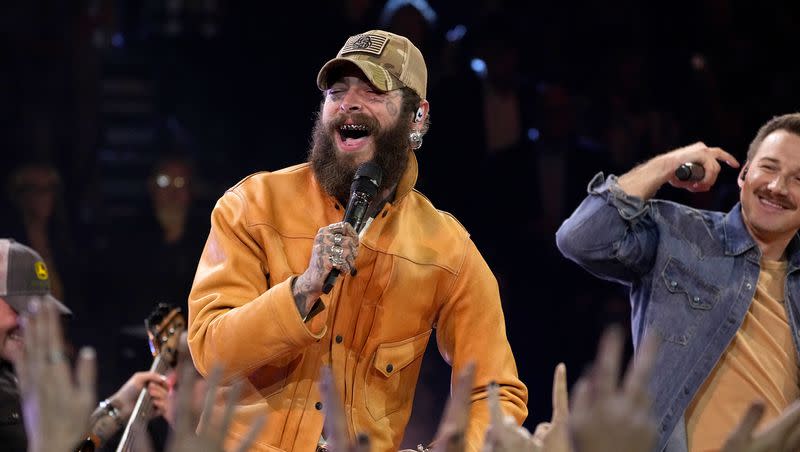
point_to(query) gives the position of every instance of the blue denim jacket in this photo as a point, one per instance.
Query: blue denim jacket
(692, 275)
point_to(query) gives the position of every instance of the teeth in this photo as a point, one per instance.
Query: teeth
(354, 127)
(767, 201)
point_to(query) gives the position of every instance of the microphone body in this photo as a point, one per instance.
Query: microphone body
(365, 186)
(690, 171)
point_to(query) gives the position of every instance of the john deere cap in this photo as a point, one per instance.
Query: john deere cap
(24, 277)
(388, 60)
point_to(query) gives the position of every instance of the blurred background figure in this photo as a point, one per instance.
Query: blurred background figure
(162, 249)
(39, 220)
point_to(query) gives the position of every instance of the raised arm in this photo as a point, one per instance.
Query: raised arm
(612, 233)
(235, 320)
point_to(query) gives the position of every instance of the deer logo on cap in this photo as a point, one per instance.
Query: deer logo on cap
(41, 270)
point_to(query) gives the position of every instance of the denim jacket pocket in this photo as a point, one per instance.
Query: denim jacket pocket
(681, 299)
(392, 378)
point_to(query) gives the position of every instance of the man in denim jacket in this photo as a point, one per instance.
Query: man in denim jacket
(720, 290)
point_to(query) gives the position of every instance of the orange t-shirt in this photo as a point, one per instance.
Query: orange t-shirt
(760, 363)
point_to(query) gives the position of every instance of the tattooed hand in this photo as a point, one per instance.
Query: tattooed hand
(336, 246)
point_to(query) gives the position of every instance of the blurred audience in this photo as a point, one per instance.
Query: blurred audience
(162, 251)
(40, 220)
(37, 346)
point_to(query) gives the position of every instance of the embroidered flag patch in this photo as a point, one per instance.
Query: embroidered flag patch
(365, 43)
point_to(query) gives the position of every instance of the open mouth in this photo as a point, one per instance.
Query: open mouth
(774, 203)
(353, 131)
(352, 137)
(15, 335)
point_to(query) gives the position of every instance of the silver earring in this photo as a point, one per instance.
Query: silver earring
(416, 140)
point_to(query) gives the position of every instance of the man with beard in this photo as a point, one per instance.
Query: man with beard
(25, 280)
(257, 306)
(720, 290)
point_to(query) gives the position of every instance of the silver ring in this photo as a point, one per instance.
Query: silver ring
(336, 261)
(337, 250)
(56, 356)
(337, 239)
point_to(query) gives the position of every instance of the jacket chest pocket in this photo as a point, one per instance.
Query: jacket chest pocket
(392, 377)
(681, 300)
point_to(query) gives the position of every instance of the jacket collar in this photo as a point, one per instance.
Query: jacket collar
(409, 177)
(738, 239)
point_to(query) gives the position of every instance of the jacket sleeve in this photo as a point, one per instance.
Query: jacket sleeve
(471, 327)
(235, 321)
(611, 234)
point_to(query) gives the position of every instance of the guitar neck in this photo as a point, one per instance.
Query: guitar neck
(142, 411)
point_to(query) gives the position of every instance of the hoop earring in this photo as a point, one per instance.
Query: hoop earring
(416, 140)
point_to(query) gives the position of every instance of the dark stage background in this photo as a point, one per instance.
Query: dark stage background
(528, 101)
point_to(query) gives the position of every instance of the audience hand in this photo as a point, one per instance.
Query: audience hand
(56, 404)
(503, 434)
(336, 420)
(451, 435)
(780, 435)
(553, 436)
(209, 437)
(606, 417)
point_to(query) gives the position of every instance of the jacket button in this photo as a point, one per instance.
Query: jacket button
(338, 338)
(696, 299)
(389, 368)
(318, 405)
(749, 286)
(674, 283)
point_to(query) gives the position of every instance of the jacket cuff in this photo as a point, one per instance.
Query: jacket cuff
(629, 207)
(285, 311)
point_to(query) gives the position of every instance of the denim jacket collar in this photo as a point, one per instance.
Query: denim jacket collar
(737, 238)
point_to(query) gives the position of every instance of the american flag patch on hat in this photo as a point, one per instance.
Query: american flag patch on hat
(366, 43)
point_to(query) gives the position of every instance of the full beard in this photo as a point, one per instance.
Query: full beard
(335, 172)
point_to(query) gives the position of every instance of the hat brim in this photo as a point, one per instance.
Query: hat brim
(378, 76)
(20, 302)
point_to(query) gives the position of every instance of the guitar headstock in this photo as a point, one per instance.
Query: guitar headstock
(164, 327)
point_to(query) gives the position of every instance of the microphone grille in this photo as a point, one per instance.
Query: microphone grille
(370, 170)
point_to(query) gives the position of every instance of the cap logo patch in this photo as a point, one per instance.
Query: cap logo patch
(373, 44)
(41, 270)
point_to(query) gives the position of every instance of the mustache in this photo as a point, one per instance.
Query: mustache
(781, 200)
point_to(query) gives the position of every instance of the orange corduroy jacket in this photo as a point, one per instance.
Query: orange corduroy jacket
(418, 271)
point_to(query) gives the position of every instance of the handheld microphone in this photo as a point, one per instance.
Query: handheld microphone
(364, 187)
(690, 171)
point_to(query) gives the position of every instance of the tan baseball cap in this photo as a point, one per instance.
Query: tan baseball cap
(24, 277)
(388, 60)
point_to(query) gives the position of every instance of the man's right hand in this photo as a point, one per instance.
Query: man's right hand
(336, 246)
(645, 180)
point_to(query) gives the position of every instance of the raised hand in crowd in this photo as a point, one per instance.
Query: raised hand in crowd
(782, 434)
(553, 436)
(606, 416)
(195, 433)
(451, 434)
(56, 403)
(336, 420)
(505, 435)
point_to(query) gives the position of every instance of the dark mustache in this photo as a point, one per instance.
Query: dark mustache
(781, 200)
